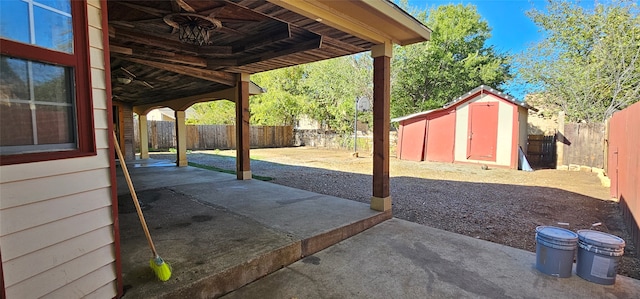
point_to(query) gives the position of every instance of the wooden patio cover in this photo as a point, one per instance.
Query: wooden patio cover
(151, 67)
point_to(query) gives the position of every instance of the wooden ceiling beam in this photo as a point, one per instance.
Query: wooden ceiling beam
(126, 35)
(146, 9)
(342, 45)
(216, 63)
(166, 56)
(311, 44)
(280, 32)
(120, 50)
(225, 78)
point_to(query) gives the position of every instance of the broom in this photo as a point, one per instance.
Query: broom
(158, 265)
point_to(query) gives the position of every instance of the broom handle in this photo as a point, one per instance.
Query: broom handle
(133, 194)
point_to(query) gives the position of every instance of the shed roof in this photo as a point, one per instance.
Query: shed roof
(467, 96)
(487, 89)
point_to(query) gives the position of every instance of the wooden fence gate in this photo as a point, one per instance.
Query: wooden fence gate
(541, 150)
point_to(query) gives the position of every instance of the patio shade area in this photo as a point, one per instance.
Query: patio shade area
(219, 233)
(152, 64)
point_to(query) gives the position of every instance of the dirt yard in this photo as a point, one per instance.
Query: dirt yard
(498, 205)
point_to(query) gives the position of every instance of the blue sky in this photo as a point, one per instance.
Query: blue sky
(512, 31)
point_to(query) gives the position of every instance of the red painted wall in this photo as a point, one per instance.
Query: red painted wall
(624, 165)
(440, 137)
(411, 139)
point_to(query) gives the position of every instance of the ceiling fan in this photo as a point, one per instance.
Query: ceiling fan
(195, 27)
(126, 77)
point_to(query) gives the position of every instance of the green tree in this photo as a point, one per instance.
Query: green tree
(332, 87)
(280, 105)
(219, 112)
(588, 63)
(325, 91)
(283, 101)
(455, 60)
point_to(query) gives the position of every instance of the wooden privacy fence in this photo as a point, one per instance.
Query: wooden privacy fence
(162, 136)
(541, 150)
(582, 144)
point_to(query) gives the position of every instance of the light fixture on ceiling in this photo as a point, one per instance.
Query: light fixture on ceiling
(193, 28)
(124, 80)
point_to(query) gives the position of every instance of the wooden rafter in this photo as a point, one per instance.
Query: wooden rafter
(127, 35)
(146, 9)
(280, 32)
(161, 55)
(255, 36)
(225, 78)
(311, 44)
(217, 63)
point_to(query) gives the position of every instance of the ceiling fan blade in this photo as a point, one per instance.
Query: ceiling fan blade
(212, 12)
(145, 83)
(185, 6)
(128, 72)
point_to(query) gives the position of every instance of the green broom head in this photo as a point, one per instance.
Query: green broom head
(160, 268)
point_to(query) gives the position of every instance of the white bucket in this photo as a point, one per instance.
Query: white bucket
(598, 256)
(555, 249)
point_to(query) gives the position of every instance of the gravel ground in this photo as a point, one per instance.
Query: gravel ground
(497, 205)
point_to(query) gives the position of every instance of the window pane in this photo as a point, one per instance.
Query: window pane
(44, 120)
(15, 118)
(51, 83)
(14, 20)
(62, 5)
(15, 124)
(55, 124)
(53, 30)
(13, 79)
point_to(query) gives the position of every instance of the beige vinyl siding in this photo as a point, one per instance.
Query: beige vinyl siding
(17, 172)
(46, 188)
(56, 223)
(99, 99)
(24, 267)
(60, 277)
(61, 230)
(87, 284)
(21, 217)
(104, 291)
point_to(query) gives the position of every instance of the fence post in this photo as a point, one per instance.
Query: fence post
(606, 146)
(560, 140)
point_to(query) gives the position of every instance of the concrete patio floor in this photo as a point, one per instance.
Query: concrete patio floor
(220, 234)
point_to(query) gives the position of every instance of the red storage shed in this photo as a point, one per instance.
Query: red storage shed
(483, 126)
